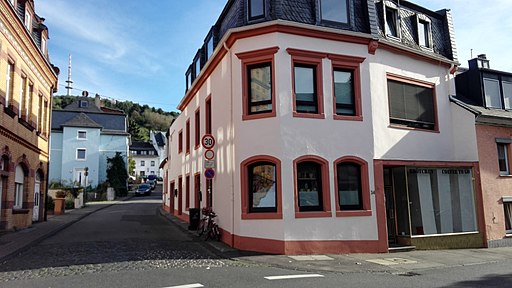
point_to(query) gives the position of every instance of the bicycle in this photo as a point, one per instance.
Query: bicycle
(207, 226)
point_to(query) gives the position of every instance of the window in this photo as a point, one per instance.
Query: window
(391, 17)
(257, 83)
(39, 113)
(334, 10)
(197, 132)
(307, 83)
(180, 141)
(411, 103)
(82, 135)
(187, 140)
(507, 93)
(208, 117)
(142, 163)
(83, 103)
(424, 33)
(507, 206)
(43, 45)
(256, 9)
(10, 83)
(187, 192)
(346, 87)
(45, 118)
(152, 163)
(28, 21)
(80, 154)
(492, 93)
(23, 100)
(142, 173)
(344, 92)
(198, 66)
(261, 188)
(312, 187)
(28, 112)
(352, 187)
(503, 160)
(188, 78)
(18, 187)
(209, 47)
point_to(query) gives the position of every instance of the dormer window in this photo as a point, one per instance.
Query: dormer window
(83, 104)
(424, 31)
(391, 19)
(492, 93)
(198, 66)
(209, 47)
(334, 11)
(507, 92)
(28, 21)
(256, 9)
(43, 45)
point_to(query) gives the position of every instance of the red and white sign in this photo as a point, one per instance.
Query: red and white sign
(209, 154)
(208, 141)
(209, 173)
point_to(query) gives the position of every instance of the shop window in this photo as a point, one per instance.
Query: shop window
(334, 11)
(352, 187)
(312, 187)
(442, 200)
(261, 188)
(258, 83)
(411, 104)
(307, 83)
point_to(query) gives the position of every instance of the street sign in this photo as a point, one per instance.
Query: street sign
(209, 173)
(209, 164)
(209, 154)
(208, 141)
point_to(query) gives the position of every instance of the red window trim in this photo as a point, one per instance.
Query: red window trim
(408, 80)
(326, 199)
(197, 189)
(246, 215)
(187, 192)
(309, 58)
(349, 63)
(208, 115)
(180, 195)
(197, 129)
(251, 58)
(365, 187)
(180, 141)
(187, 139)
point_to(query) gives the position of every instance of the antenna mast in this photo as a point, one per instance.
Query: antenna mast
(69, 82)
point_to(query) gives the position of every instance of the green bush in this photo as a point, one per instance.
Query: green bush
(69, 203)
(50, 204)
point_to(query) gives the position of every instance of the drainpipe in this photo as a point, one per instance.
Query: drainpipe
(49, 125)
(232, 144)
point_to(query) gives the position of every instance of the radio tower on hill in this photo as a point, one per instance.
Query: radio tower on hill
(69, 82)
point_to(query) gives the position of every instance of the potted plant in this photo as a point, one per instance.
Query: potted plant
(60, 207)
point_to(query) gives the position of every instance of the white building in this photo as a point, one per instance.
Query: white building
(145, 157)
(159, 142)
(334, 131)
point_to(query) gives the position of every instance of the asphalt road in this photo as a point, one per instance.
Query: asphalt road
(131, 245)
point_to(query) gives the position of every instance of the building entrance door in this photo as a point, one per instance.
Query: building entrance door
(397, 205)
(37, 197)
(79, 177)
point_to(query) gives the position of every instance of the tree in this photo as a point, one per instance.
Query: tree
(131, 166)
(117, 175)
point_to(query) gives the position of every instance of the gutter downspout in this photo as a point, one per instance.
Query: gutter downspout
(49, 125)
(232, 144)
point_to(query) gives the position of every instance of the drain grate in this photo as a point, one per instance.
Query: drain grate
(407, 274)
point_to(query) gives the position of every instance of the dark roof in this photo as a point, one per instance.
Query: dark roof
(142, 146)
(484, 115)
(81, 120)
(160, 139)
(76, 105)
(109, 122)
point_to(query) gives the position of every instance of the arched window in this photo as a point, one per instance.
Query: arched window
(352, 187)
(261, 188)
(312, 187)
(19, 181)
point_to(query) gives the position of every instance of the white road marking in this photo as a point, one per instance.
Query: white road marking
(293, 276)
(197, 285)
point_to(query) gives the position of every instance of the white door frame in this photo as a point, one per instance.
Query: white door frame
(79, 176)
(37, 198)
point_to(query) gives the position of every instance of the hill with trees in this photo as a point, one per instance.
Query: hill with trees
(141, 118)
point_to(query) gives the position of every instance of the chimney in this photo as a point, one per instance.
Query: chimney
(97, 100)
(479, 62)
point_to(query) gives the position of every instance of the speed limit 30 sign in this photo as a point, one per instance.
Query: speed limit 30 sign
(208, 141)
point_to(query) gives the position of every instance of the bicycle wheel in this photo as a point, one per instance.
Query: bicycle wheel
(202, 227)
(215, 233)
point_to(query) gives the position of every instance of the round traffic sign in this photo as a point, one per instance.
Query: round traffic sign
(208, 141)
(209, 154)
(209, 173)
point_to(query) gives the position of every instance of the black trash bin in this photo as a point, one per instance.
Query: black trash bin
(194, 215)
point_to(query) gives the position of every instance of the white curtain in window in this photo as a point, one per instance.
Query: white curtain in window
(427, 208)
(445, 202)
(467, 202)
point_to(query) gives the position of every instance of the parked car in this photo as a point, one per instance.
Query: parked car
(152, 177)
(159, 178)
(143, 189)
(152, 183)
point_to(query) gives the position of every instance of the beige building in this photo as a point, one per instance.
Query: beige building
(27, 81)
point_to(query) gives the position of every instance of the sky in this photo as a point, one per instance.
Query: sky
(139, 50)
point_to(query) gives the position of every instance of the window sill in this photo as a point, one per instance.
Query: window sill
(42, 135)
(348, 118)
(506, 175)
(313, 214)
(402, 127)
(354, 213)
(11, 111)
(308, 115)
(20, 211)
(26, 124)
(258, 116)
(262, 216)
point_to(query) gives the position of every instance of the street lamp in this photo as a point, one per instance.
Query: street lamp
(86, 173)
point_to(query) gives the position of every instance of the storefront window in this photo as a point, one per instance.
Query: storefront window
(442, 200)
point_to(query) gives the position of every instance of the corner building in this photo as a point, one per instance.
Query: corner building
(333, 126)
(27, 82)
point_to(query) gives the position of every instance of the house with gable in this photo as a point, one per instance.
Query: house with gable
(146, 158)
(84, 135)
(333, 130)
(159, 141)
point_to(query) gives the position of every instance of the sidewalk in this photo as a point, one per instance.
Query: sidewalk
(400, 263)
(12, 243)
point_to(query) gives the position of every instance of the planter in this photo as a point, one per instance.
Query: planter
(60, 207)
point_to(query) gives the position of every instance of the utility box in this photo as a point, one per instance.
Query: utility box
(111, 194)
